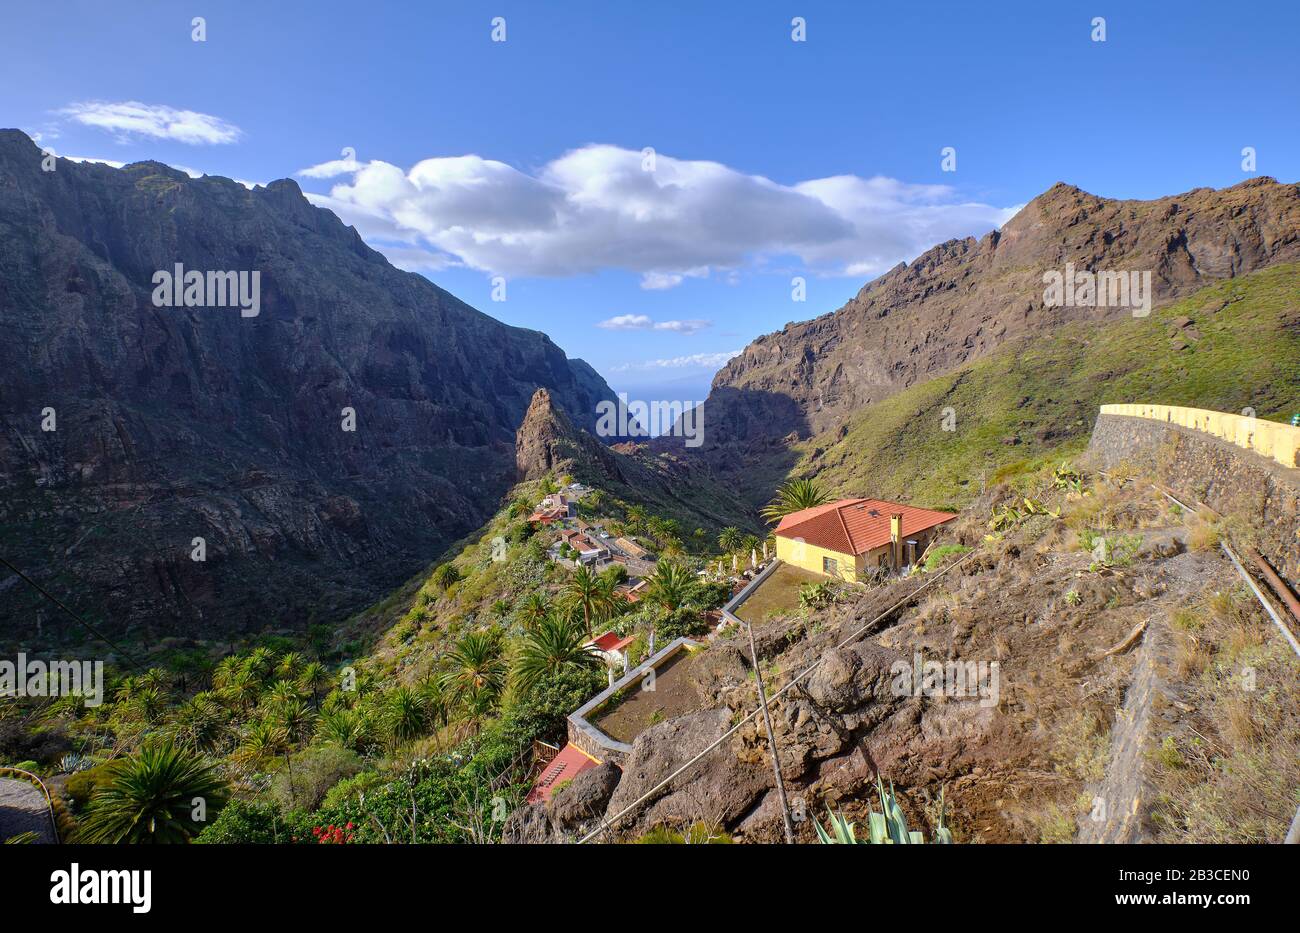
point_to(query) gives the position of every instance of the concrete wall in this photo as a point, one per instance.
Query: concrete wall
(1202, 467)
(584, 734)
(1271, 439)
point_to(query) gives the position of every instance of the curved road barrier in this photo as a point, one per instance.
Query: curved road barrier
(1271, 439)
(26, 806)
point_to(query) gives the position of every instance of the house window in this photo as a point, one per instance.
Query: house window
(830, 566)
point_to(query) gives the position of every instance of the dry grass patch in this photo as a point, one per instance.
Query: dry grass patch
(1229, 771)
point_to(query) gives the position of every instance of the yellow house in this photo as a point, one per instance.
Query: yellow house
(852, 538)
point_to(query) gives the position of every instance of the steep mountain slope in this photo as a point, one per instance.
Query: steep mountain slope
(1228, 347)
(174, 423)
(962, 300)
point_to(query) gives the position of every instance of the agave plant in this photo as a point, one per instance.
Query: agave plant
(884, 828)
(73, 762)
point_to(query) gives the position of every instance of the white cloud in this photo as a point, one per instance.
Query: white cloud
(627, 322)
(684, 327)
(331, 169)
(127, 119)
(645, 322)
(595, 208)
(694, 360)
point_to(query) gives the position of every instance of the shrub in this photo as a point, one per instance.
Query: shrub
(349, 790)
(710, 595)
(81, 786)
(246, 822)
(939, 555)
(542, 712)
(310, 775)
(686, 621)
(445, 577)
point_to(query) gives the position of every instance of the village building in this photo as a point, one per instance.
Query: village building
(633, 591)
(554, 508)
(588, 551)
(631, 548)
(854, 539)
(613, 647)
(565, 766)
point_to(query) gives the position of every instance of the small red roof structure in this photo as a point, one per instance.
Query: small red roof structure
(568, 764)
(856, 526)
(610, 641)
(634, 593)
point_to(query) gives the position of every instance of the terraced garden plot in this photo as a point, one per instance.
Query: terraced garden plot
(778, 594)
(674, 694)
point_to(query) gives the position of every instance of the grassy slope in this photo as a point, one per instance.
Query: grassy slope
(1045, 392)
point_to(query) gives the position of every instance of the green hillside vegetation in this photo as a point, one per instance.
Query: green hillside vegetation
(1035, 401)
(435, 706)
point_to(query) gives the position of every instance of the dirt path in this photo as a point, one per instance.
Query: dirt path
(23, 809)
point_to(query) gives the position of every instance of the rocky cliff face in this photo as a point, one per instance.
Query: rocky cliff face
(964, 298)
(548, 442)
(324, 448)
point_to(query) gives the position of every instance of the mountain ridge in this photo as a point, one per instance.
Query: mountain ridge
(173, 424)
(962, 299)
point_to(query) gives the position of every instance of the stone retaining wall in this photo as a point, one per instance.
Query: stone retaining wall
(1200, 467)
(584, 734)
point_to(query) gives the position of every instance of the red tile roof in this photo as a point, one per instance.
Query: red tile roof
(611, 642)
(568, 764)
(856, 526)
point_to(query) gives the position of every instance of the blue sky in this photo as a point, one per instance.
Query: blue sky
(772, 158)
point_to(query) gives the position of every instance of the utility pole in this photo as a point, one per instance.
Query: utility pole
(771, 739)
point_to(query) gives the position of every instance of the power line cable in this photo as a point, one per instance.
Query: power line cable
(79, 620)
(607, 823)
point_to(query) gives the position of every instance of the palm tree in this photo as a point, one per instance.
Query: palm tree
(446, 576)
(280, 693)
(793, 496)
(263, 741)
(314, 677)
(261, 663)
(149, 797)
(476, 669)
(410, 712)
(243, 688)
(147, 702)
(586, 592)
(670, 585)
(556, 644)
(294, 717)
(199, 723)
(289, 666)
(729, 539)
(225, 671)
(534, 608)
(345, 728)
